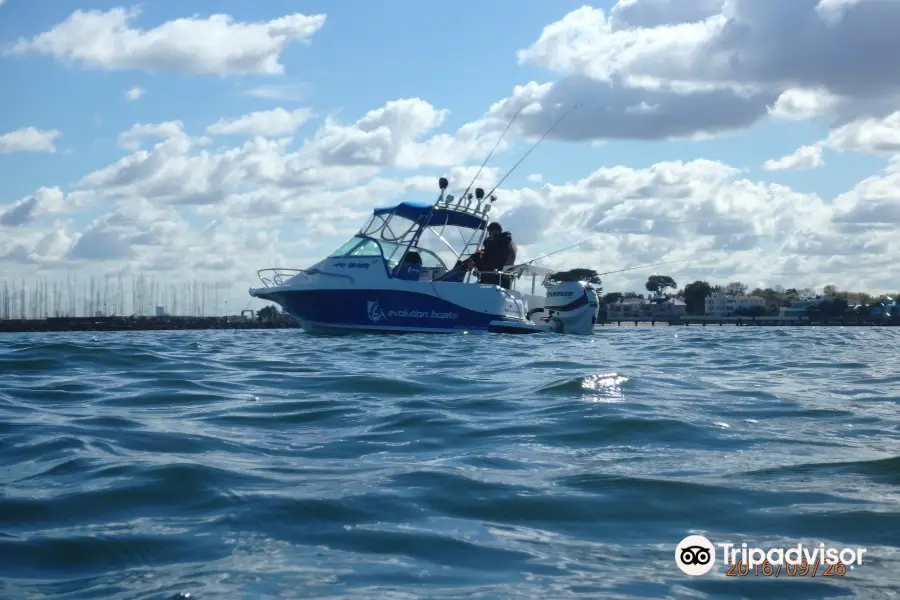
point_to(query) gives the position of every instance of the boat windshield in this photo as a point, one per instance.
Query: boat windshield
(445, 243)
(359, 246)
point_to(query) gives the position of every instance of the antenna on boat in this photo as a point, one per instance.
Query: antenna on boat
(443, 184)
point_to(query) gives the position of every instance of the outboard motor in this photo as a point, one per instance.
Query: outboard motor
(571, 307)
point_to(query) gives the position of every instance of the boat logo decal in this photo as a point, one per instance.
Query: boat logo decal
(375, 312)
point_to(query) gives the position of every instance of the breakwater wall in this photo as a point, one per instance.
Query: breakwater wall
(751, 322)
(137, 324)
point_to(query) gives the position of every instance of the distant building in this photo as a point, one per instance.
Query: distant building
(630, 309)
(161, 311)
(798, 308)
(720, 304)
(668, 309)
(627, 309)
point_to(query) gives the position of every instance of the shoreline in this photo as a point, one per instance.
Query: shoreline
(110, 324)
(750, 322)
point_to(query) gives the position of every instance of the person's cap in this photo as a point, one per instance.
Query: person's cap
(495, 227)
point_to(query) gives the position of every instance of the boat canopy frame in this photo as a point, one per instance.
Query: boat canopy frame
(418, 217)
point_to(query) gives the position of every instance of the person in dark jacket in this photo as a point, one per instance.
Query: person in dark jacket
(498, 252)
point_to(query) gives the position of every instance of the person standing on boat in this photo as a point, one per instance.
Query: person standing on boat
(499, 251)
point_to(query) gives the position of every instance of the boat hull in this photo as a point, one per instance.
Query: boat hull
(389, 311)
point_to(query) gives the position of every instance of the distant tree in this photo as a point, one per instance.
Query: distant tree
(779, 289)
(736, 288)
(828, 309)
(612, 297)
(658, 284)
(695, 296)
(588, 275)
(268, 313)
(830, 290)
(631, 296)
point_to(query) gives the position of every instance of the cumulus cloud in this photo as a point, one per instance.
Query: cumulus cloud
(706, 213)
(215, 45)
(134, 93)
(799, 103)
(873, 205)
(176, 171)
(44, 202)
(805, 157)
(131, 139)
(288, 92)
(392, 136)
(29, 139)
(249, 192)
(267, 123)
(870, 135)
(659, 69)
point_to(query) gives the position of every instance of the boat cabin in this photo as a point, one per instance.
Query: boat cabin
(414, 238)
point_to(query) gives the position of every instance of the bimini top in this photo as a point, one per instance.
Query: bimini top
(451, 216)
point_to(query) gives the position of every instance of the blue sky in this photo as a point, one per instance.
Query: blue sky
(361, 59)
(465, 59)
(460, 59)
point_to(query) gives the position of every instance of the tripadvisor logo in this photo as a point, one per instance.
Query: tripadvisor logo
(695, 555)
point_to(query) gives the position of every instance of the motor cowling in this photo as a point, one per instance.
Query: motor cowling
(574, 305)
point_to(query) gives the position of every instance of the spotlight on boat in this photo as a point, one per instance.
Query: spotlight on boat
(443, 183)
(449, 198)
(479, 193)
(493, 198)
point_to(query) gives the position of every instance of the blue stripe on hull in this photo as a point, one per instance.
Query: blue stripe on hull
(381, 310)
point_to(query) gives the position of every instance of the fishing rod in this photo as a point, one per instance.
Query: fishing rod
(500, 139)
(479, 193)
(490, 195)
(530, 150)
(671, 262)
(524, 264)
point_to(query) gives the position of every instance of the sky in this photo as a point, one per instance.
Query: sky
(752, 140)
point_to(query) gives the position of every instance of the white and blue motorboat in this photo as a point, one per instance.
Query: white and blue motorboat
(393, 276)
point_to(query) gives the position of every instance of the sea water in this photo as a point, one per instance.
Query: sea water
(276, 464)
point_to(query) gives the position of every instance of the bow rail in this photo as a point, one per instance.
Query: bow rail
(278, 276)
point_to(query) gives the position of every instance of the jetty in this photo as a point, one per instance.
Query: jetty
(761, 321)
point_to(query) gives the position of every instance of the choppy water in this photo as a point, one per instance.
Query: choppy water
(273, 464)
